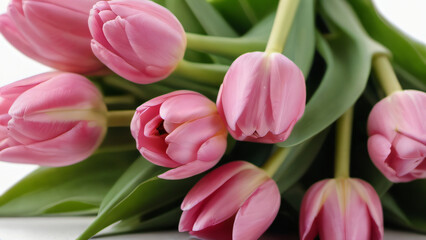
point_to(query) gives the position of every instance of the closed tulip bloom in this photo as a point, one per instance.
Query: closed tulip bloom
(137, 39)
(180, 130)
(341, 209)
(262, 97)
(236, 201)
(53, 32)
(52, 119)
(397, 136)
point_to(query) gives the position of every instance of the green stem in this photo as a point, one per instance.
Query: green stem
(248, 10)
(386, 74)
(119, 100)
(223, 46)
(211, 74)
(274, 162)
(282, 25)
(121, 118)
(343, 144)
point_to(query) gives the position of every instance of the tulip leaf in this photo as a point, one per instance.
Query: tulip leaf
(161, 221)
(407, 53)
(211, 20)
(71, 190)
(139, 191)
(348, 53)
(297, 161)
(243, 14)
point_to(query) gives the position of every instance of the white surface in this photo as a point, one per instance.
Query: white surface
(408, 15)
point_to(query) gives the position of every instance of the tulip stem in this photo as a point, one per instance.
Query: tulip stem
(343, 144)
(120, 118)
(223, 46)
(386, 74)
(210, 74)
(274, 162)
(282, 25)
(119, 100)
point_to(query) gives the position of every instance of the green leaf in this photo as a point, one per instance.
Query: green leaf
(300, 44)
(407, 53)
(138, 192)
(298, 161)
(163, 221)
(409, 81)
(348, 53)
(212, 22)
(243, 14)
(72, 190)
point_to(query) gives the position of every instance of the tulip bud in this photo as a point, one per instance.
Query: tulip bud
(397, 136)
(180, 130)
(52, 119)
(262, 97)
(236, 201)
(137, 39)
(343, 208)
(53, 32)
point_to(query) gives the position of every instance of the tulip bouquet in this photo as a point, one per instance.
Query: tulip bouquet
(132, 125)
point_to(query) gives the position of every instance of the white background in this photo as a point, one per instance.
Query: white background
(408, 15)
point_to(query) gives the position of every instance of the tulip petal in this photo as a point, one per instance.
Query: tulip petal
(213, 181)
(159, 159)
(379, 149)
(184, 141)
(226, 200)
(370, 197)
(212, 149)
(311, 206)
(410, 154)
(191, 106)
(188, 170)
(287, 93)
(220, 231)
(357, 216)
(188, 218)
(258, 212)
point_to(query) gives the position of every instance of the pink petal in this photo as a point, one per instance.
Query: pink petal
(226, 200)
(212, 149)
(288, 93)
(158, 158)
(331, 220)
(258, 212)
(220, 231)
(212, 181)
(370, 197)
(357, 217)
(239, 86)
(190, 106)
(188, 218)
(188, 170)
(379, 149)
(184, 141)
(161, 99)
(311, 206)
(410, 154)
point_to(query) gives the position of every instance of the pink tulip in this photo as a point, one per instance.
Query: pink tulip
(236, 201)
(262, 97)
(341, 209)
(180, 130)
(53, 32)
(397, 130)
(52, 119)
(137, 39)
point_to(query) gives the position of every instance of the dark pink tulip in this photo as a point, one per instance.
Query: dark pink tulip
(180, 130)
(236, 201)
(397, 130)
(137, 39)
(341, 209)
(262, 97)
(53, 32)
(52, 119)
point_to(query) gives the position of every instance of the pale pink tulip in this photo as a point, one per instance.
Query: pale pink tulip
(341, 209)
(262, 97)
(180, 130)
(236, 201)
(52, 119)
(397, 130)
(137, 39)
(53, 32)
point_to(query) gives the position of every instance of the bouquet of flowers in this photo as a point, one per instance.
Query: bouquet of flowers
(217, 118)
